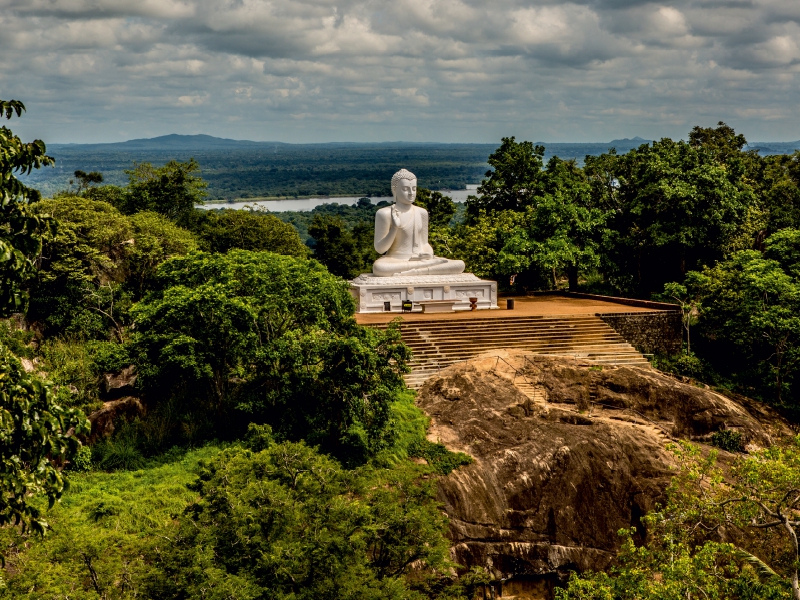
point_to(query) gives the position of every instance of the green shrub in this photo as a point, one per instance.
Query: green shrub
(120, 452)
(82, 461)
(107, 357)
(729, 440)
(15, 339)
(289, 523)
(68, 364)
(440, 458)
(258, 437)
(687, 365)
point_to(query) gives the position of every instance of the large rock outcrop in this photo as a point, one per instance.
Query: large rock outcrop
(105, 420)
(554, 480)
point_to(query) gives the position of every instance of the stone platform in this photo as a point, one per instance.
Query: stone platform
(370, 292)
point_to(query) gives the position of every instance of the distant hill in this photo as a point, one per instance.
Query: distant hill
(179, 142)
(176, 141)
(765, 148)
(634, 141)
(172, 141)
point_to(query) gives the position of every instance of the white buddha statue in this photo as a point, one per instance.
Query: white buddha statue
(401, 235)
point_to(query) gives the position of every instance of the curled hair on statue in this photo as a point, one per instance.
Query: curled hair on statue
(400, 175)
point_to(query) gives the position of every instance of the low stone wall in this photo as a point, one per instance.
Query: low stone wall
(616, 299)
(657, 332)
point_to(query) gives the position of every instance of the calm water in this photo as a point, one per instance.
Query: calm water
(310, 203)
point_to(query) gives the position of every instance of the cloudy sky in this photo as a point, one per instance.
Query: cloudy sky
(415, 70)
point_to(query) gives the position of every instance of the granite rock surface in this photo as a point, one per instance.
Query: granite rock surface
(554, 480)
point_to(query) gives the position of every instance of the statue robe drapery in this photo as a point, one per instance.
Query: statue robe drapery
(409, 242)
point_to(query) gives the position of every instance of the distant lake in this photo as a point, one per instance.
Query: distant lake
(310, 203)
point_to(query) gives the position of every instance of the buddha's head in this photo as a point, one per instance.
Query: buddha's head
(404, 187)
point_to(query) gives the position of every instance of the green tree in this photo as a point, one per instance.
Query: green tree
(721, 140)
(111, 194)
(514, 182)
(97, 263)
(85, 180)
(172, 190)
(479, 242)
(750, 307)
(678, 208)
(155, 240)
(274, 337)
(561, 231)
(440, 208)
(86, 257)
(287, 522)
(21, 230)
(250, 230)
(346, 252)
(34, 433)
(779, 189)
(689, 302)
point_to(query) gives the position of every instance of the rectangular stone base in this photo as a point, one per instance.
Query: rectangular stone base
(370, 292)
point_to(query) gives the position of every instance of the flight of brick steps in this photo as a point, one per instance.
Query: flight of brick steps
(440, 343)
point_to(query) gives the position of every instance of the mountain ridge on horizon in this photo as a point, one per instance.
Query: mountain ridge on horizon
(247, 169)
(201, 140)
(176, 141)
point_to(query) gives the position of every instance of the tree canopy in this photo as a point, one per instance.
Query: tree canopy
(274, 337)
(249, 230)
(97, 263)
(515, 179)
(172, 190)
(750, 308)
(21, 231)
(286, 522)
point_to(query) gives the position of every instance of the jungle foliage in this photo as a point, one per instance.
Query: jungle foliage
(273, 457)
(753, 506)
(21, 230)
(271, 337)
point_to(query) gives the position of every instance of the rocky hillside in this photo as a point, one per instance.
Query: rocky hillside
(566, 454)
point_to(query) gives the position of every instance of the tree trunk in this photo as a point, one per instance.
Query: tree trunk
(572, 277)
(793, 537)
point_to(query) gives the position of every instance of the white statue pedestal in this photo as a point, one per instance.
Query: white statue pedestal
(370, 292)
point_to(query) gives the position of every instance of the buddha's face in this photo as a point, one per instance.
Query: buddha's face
(405, 192)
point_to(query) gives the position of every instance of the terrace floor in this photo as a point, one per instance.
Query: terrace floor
(525, 306)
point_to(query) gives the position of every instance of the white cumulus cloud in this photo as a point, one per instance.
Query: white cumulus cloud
(370, 70)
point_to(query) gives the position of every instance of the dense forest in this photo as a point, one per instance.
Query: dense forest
(265, 445)
(234, 169)
(279, 170)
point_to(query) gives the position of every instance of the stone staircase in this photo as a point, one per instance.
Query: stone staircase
(536, 393)
(440, 343)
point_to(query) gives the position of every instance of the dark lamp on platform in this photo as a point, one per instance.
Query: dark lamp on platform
(407, 305)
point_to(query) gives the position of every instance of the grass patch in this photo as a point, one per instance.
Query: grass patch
(410, 425)
(104, 532)
(727, 439)
(440, 458)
